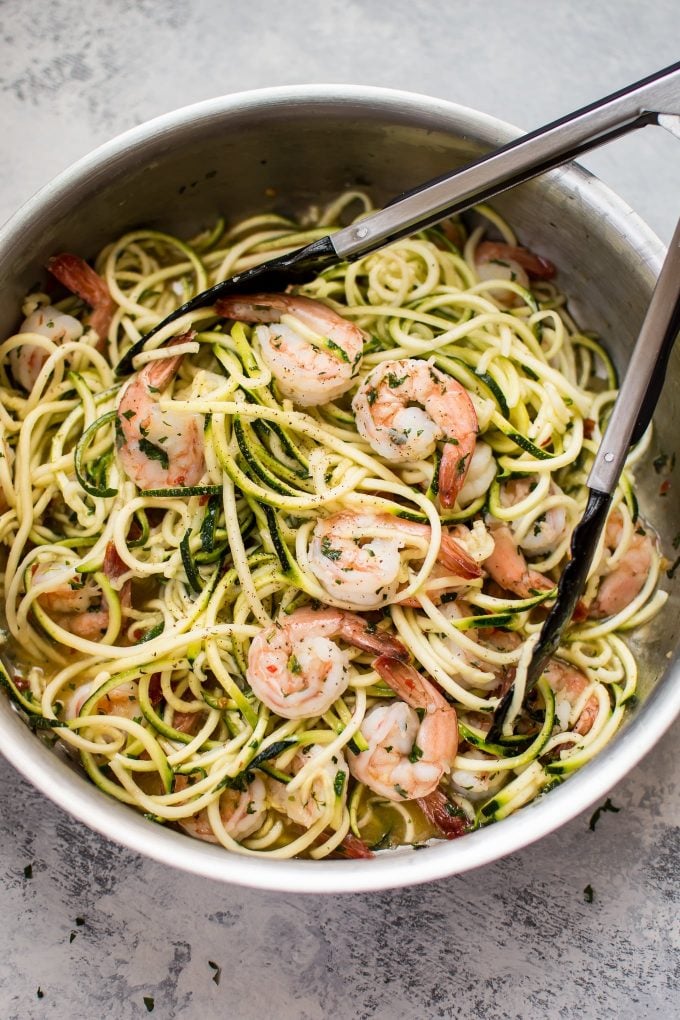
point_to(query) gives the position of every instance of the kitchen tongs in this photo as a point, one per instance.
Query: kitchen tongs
(654, 100)
(629, 419)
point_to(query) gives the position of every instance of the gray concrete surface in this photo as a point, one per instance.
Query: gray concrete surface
(512, 940)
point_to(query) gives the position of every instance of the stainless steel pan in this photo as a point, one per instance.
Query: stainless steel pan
(284, 148)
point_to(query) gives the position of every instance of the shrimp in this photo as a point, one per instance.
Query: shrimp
(510, 570)
(568, 685)
(495, 260)
(158, 449)
(547, 530)
(121, 701)
(476, 786)
(621, 583)
(26, 361)
(79, 606)
(308, 803)
(81, 279)
(407, 756)
(356, 557)
(312, 352)
(403, 407)
(449, 821)
(296, 668)
(242, 812)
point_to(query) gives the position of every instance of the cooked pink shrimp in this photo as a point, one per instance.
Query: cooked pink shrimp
(568, 684)
(547, 530)
(159, 449)
(296, 668)
(407, 756)
(404, 407)
(27, 360)
(510, 570)
(242, 812)
(121, 701)
(312, 352)
(308, 803)
(81, 279)
(79, 605)
(495, 260)
(356, 556)
(623, 582)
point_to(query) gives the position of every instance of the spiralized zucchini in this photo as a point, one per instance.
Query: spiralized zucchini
(132, 606)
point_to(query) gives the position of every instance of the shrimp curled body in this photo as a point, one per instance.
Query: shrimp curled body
(316, 797)
(27, 360)
(312, 352)
(356, 556)
(242, 812)
(158, 448)
(296, 668)
(404, 407)
(407, 756)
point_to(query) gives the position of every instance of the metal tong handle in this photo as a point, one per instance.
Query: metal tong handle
(532, 154)
(630, 417)
(644, 377)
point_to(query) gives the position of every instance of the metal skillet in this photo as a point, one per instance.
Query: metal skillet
(653, 100)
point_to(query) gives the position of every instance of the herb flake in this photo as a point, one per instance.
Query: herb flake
(607, 806)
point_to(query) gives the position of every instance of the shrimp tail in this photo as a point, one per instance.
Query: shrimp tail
(536, 266)
(160, 371)
(254, 308)
(453, 556)
(407, 682)
(354, 848)
(453, 471)
(362, 635)
(78, 277)
(443, 816)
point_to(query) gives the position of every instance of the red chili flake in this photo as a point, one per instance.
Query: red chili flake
(272, 669)
(664, 488)
(588, 427)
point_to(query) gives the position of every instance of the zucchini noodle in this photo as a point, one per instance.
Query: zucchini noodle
(299, 493)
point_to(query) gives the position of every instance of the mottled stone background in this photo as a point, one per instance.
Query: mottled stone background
(97, 928)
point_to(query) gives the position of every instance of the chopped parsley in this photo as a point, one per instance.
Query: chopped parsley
(588, 893)
(294, 665)
(339, 783)
(328, 550)
(401, 791)
(149, 1003)
(128, 414)
(153, 452)
(371, 396)
(393, 381)
(28, 871)
(607, 806)
(416, 754)
(383, 842)
(670, 573)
